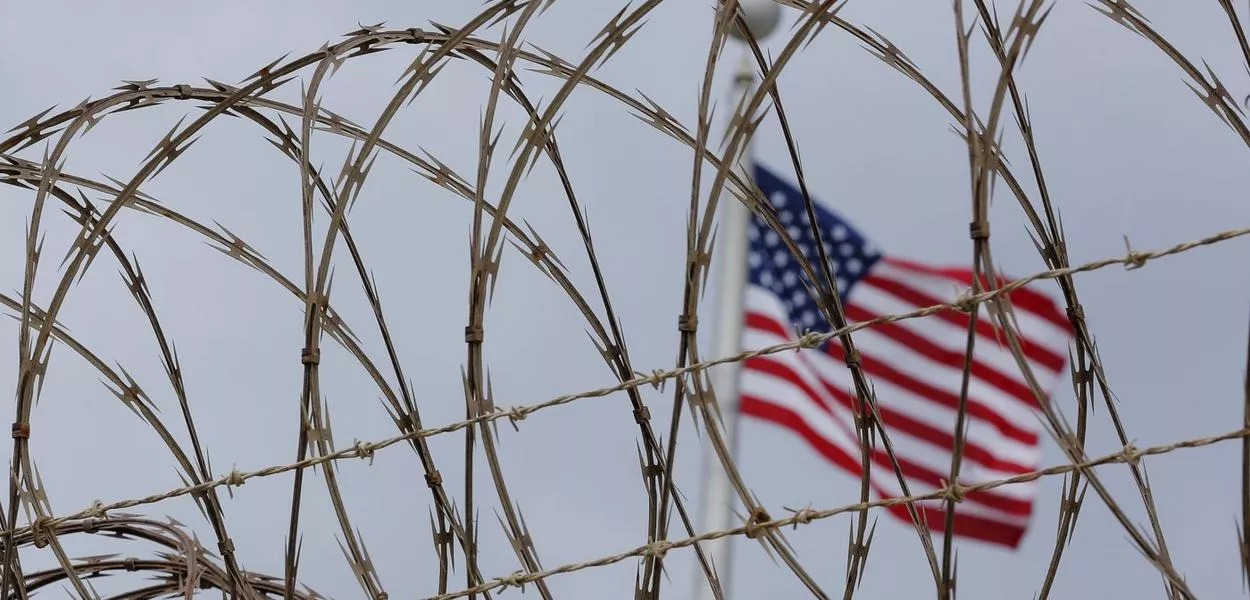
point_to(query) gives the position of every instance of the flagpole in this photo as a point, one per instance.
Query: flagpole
(761, 17)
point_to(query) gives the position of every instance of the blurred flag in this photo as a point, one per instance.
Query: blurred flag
(914, 365)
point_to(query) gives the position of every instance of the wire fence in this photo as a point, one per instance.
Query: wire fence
(183, 565)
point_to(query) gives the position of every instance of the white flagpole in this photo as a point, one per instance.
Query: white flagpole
(761, 17)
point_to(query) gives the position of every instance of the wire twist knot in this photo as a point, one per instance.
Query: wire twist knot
(953, 492)
(365, 450)
(97, 510)
(965, 302)
(516, 580)
(516, 414)
(802, 516)
(234, 479)
(1131, 455)
(659, 548)
(811, 339)
(1133, 259)
(657, 378)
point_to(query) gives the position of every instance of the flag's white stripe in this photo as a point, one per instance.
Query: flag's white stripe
(943, 377)
(783, 393)
(935, 458)
(924, 409)
(920, 409)
(813, 365)
(1036, 328)
(913, 364)
(914, 450)
(993, 354)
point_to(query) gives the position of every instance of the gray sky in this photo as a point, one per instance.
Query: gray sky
(1128, 150)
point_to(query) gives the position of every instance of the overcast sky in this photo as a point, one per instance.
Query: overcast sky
(1128, 151)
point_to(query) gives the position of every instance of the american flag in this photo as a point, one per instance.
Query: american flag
(914, 365)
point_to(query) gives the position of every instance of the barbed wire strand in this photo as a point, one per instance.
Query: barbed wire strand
(1134, 260)
(1129, 454)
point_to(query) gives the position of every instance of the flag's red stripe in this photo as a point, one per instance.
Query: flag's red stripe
(915, 472)
(893, 419)
(925, 390)
(966, 525)
(911, 384)
(1009, 385)
(911, 469)
(1035, 352)
(1030, 300)
(762, 409)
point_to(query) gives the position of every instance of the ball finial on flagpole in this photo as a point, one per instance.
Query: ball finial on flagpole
(761, 16)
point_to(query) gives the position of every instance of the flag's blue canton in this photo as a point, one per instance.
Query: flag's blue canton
(774, 268)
